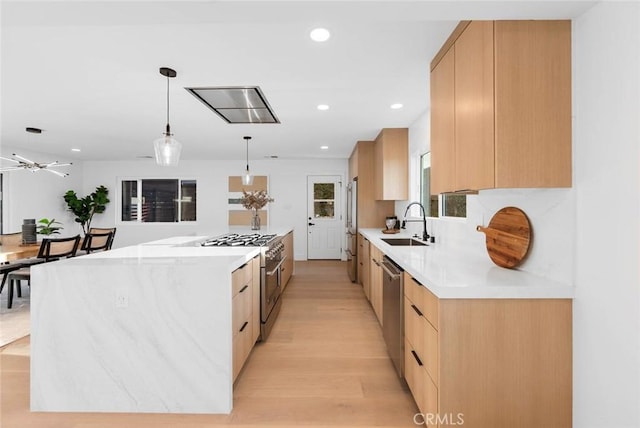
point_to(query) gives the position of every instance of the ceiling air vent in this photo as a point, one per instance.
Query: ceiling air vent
(237, 104)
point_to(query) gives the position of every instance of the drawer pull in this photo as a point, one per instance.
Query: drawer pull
(247, 322)
(244, 288)
(417, 310)
(417, 282)
(414, 356)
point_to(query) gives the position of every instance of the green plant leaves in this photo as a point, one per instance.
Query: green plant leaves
(84, 208)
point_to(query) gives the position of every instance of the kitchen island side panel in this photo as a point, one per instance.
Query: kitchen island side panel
(132, 335)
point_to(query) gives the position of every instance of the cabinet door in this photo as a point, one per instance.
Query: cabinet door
(391, 160)
(442, 126)
(533, 106)
(364, 260)
(474, 107)
(376, 282)
(287, 265)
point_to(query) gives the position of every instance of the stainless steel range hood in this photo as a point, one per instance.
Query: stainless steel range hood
(237, 104)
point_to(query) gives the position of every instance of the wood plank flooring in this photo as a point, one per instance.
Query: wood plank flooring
(324, 365)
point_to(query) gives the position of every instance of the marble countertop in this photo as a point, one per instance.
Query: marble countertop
(456, 274)
(184, 247)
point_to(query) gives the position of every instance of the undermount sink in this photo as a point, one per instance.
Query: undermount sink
(403, 241)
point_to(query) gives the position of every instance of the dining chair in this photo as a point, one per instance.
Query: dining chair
(112, 230)
(51, 249)
(96, 242)
(11, 239)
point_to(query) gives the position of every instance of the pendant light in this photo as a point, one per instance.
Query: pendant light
(247, 178)
(167, 148)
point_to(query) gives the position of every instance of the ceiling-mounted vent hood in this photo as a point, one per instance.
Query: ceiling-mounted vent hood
(237, 104)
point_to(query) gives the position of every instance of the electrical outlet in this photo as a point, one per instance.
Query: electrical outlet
(122, 298)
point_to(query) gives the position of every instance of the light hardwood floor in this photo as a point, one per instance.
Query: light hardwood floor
(324, 365)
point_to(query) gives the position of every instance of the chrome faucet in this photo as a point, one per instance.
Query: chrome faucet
(425, 235)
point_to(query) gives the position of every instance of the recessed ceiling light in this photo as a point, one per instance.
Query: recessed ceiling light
(324, 147)
(75, 150)
(323, 107)
(396, 106)
(319, 34)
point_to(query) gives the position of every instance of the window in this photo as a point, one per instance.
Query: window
(453, 205)
(324, 200)
(428, 201)
(158, 200)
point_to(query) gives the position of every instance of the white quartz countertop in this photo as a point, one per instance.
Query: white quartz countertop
(456, 274)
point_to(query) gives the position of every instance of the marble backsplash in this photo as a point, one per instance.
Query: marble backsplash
(551, 213)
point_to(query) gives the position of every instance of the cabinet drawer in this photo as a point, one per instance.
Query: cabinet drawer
(413, 325)
(242, 345)
(241, 277)
(429, 352)
(242, 308)
(424, 391)
(422, 298)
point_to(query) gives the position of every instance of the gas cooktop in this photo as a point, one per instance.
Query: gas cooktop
(239, 240)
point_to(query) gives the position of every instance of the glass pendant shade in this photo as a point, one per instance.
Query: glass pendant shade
(167, 150)
(247, 178)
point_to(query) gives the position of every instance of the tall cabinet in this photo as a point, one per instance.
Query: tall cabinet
(501, 106)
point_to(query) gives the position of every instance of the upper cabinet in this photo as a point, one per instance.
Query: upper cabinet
(391, 164)
(501, 107)
(370, 212)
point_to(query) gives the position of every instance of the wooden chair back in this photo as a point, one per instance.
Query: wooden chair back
(97, 242)
(111, 230)
(56, 248)
(11, 239)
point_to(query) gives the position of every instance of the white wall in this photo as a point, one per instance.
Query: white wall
(287, 185)
(38, 194)
(607, 304)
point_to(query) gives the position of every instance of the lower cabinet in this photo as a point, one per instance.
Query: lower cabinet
(287, 265)
(375, 279)
(364, 269)
(488, 362)
(245, 311)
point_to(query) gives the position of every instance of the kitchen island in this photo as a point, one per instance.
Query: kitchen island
(146, 328)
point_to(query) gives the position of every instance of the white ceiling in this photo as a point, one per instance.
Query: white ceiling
(87, 72)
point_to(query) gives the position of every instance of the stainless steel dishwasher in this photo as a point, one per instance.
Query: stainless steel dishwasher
(393, 312)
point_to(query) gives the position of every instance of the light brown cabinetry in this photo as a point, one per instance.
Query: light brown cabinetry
(488, 362)
(245, 286)
(370, 212)
(501, 106)
(375, 280)
(287, 265)
(364, 269)
(391, 164)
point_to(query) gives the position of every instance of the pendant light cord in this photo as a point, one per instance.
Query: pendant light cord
(247, 154)
(168, 128)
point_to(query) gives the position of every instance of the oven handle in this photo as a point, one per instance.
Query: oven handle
(270, 273)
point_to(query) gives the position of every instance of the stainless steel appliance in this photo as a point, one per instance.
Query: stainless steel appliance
(352, 229)
(393, 312)
(271, 259)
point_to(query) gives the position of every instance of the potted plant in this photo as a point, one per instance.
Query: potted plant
(48, 227)
(85, 208)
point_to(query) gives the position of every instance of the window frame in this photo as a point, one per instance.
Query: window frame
(441, 196)
(139, 221)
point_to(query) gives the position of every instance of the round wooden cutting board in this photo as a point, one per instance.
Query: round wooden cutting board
(507, 237)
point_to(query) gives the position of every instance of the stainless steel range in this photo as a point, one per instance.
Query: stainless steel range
(271, 259)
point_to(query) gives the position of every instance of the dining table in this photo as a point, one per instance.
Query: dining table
(18, 251)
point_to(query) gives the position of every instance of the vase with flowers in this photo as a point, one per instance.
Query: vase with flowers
(255, 200)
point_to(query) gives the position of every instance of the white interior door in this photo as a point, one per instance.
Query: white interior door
(324, 212)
